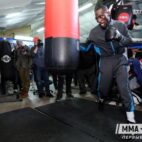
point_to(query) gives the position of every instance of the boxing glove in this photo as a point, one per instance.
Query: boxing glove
(113, 34)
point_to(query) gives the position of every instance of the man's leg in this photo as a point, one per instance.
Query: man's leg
(125, 92)
(60, 87)
(38, 74)
(81, 81)
(45, 82)
(68, 85)
(104, 80)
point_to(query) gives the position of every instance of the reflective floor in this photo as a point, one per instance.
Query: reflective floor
(34, 101)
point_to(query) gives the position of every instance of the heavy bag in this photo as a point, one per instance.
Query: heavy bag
(122, 13)
(61, 35)
(6, 61)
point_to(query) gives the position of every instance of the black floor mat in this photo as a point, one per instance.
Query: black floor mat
(28, 125)
(84, 115)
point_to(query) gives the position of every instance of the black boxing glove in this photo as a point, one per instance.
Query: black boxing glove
(113, 34)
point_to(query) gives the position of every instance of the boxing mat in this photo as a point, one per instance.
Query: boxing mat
(61, 35)
(122, 13)
(6, 61)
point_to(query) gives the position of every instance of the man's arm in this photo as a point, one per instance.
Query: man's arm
(122, 37)
(34, 51)
(126, 37)
(86, 49)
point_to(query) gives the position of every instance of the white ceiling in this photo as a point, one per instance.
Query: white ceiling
(28, 9)
(32, 13)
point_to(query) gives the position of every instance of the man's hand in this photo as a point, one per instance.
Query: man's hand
(35, 49)
(113, 34)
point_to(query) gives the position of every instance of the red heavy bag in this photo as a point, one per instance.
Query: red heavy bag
(61, 35)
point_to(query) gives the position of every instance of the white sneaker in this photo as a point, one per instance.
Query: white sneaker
(130, 117)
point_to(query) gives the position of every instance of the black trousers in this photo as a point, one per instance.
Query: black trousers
(87, 76)
(59, 80)
(115, 67)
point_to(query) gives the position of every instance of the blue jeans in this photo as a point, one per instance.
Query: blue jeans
(42, 79)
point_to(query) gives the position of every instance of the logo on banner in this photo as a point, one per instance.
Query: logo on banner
(137, 11)
(129, 131)
(123, 17)
(6, 59)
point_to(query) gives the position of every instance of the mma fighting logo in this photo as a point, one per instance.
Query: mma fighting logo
(129, 131)
(6, 59)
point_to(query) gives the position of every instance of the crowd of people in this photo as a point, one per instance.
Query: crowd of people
(29, 62)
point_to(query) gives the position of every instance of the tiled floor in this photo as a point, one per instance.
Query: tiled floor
(34, 101)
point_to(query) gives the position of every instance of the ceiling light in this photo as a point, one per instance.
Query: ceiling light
(82, 8)
(40, 30)
(19, 37)
(41, 3)
(13, 15)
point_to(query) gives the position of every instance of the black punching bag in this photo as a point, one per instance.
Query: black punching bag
(6, 61)
(61, 35)
(123, 13)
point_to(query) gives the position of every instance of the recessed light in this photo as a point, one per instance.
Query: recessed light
(40, 3)
(12, 15)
